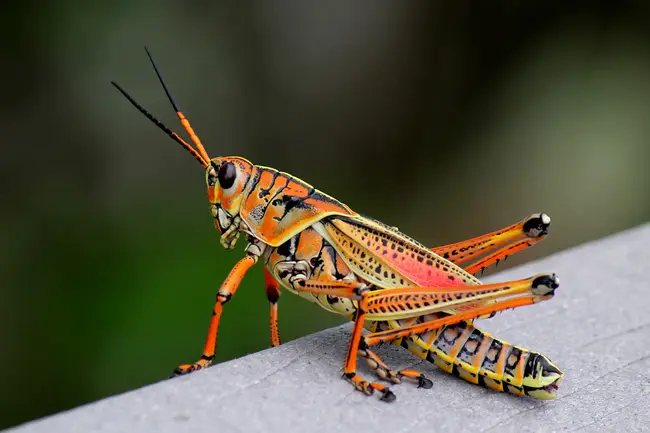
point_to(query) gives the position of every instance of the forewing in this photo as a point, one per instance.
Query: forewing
(387, 257)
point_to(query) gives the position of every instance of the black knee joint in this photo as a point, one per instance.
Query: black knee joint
(273, 297)
(224, 299)
(363, 345)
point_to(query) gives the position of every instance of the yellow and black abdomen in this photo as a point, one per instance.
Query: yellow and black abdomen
(474, 355)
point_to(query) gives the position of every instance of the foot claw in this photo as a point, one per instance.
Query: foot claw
(388, 396)
(184, 369)
(425, 383)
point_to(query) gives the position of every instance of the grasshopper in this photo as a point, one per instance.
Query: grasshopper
(383, 280)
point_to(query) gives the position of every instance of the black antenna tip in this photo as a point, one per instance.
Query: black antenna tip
(122, 91)
(162, 82)
(149, 116)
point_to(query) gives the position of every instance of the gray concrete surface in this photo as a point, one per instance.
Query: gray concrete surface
(597, 329)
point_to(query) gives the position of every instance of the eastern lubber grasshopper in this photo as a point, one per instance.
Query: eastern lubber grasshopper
(401, 291)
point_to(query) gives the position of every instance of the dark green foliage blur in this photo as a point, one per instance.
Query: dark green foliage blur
(447, 119)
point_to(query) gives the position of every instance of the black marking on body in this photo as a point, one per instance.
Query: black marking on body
(316, 261)
(288, 248)
(512, 360)
(265, 192)
(317, 195)
(290, 202)
(257, 213)
(492, 356)
(449, 336)
(531, 368)
(481, 381)
(513, 389)
(287, 179)
(546, 367)
(253, 181)
(329, 249)
(471, 347)
(333, 299)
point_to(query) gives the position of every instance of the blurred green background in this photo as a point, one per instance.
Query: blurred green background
(446, 119)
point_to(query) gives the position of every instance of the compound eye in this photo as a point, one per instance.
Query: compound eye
(227, 175)
(212, 177)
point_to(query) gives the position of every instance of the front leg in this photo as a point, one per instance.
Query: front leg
(226, 291)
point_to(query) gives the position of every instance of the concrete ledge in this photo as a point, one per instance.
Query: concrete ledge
(597, 329)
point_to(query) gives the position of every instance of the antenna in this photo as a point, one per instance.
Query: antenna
(186, 123)
(204, 162)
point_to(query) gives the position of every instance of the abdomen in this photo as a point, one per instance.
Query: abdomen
(476, 356)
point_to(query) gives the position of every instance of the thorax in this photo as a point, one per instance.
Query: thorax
(308, 255)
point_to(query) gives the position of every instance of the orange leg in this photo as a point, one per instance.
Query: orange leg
(413, 301)
(508, 240)
(543, 291)
(468, 301)
(353, 290)
(227, 290)
(500, 254)
(342, 289)
(272, 288)
(350, 368)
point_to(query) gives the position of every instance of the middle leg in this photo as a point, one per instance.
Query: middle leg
(272, 289)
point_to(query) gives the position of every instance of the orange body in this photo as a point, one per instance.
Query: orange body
(311, 236)
(315, 246)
